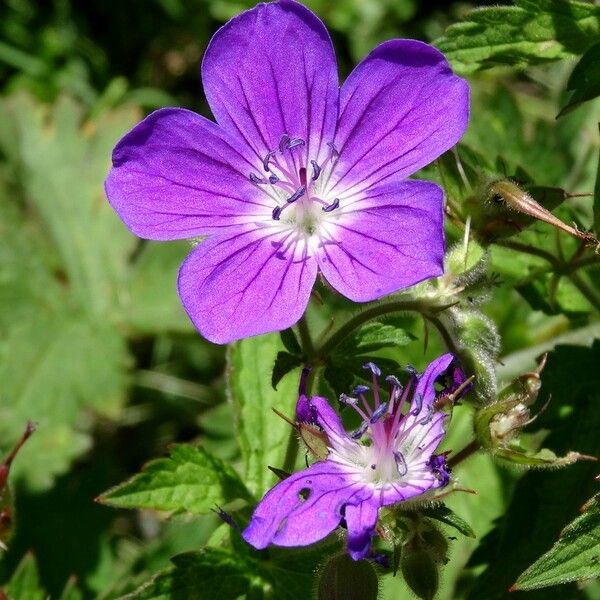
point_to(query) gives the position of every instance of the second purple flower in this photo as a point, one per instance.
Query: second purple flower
(298, 176)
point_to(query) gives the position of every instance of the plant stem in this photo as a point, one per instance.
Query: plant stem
(527, 249)
(467, 451)
(384, 308)
(308, 348)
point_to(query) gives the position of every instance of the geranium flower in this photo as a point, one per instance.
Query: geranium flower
(389, 459)
(297, 176)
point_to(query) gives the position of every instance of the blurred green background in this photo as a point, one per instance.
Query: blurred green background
(94, 346)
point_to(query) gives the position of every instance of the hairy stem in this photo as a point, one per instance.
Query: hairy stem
(467, 451)
(591, 295)
(308, 348)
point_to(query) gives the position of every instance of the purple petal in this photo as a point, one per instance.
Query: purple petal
(177, 175)
(246, 283)
(361, 521)
(305, 413)
(387, 239)
(329, 420)
(399, 110)
(426, 384)
(271, 72)
(304, 508)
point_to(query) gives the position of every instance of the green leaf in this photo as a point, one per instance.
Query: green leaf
(533, 32)
(290, 341)
(25, 582)
(449, 517)
(543, 501)
(263, 436)
(584, 81)
(374, 336)
(575, 557)
(152, 304)
(205, 575)
(284, 363)
(191, 480)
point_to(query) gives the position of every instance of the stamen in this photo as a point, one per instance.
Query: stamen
(266, 161)
(273, 179)
(276, 214)
(428, 416)
(334, 150)
(331, 207)
(355, 435)
(295, 142)
(379, 412)
(393, 380)
(401, 463)
(361, 389)
(316, 170)
(418, 400)
(297, 194)
(283, 143)
(411, 370)
(371, 366)
(348, 400)
(256, 179)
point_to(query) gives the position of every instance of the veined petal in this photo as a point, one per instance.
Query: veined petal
(383, 240)
(361, 521)
(426, 385)
(304, 508)
(328, 419)
(271, 71)
(399, 110)
(246, 283)
(177, 175)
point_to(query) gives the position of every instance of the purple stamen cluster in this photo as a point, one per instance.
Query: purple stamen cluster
(389, 459)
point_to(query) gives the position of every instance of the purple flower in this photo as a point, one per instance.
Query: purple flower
(388, 459)
(297, 176)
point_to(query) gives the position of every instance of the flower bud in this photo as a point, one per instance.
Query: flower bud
(419, 569)
(345, 579)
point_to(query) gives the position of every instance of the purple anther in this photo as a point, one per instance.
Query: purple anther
(427, 418)
(440, 469)
(316, 170)
(332, 206)
(361, 389)
(276, 214)
(379, 412)
(401, 463)
(371, 366)
(284, 142)
(393, 380)
(418, 401)
(355, 435)
(347, 400)
(411, 370)
(256, 179)
(334, 150)
(273, 179)
(266, 161)
(295, 142)
(297, 194)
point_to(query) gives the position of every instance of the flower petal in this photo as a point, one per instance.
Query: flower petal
(328, 419)
(271, 71)
(177, 175)
(246, 283)
(426, 384)
(304, 508)
(399, 110)
(361, 521)
(386, 239)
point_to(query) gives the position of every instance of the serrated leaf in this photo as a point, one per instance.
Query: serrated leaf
(263, 436)
(205, 575)
(25, 582)
(575, 557)
(584, 81)
(290, 341)
(190, 480)
(533, 32)
(284, 363)
(449, 517)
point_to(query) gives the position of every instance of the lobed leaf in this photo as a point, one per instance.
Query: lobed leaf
(532, 32)
(190, 480)
(575, 557)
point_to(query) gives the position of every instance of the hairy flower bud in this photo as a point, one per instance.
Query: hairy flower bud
(345, 579)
